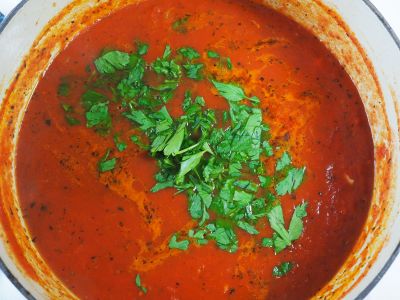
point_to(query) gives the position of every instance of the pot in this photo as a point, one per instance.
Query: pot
(354, 31)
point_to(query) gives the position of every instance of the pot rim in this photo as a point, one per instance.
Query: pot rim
(363, 294)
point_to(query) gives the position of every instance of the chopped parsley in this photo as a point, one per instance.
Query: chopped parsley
(181, 25)
(282, 270)
(291, 181)
(217, 159)
(121, 145)
(99, 117)
(193, 71)
(166, 66)
(106, 164)
(212, 54)
(175, 244)
(112, 61)
(72, 121)
(283, 238)
(189, 53)
(232, 92)
(138, 282)
(142, 48)
(64, 88)
(69, 114)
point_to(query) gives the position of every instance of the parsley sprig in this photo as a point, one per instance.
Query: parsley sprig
(219, 163)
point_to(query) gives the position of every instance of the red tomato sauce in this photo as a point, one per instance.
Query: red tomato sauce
(97, 232)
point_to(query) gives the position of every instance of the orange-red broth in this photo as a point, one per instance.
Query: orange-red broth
(98, 231)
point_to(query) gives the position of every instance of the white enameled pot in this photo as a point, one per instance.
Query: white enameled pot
(35, 32)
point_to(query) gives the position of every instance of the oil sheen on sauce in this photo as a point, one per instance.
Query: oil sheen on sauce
(97, 232)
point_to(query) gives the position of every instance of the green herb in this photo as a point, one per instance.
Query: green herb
(180, 25)
(268, 149)
(67, 107)
(174, 144)
(296, 224)
(291, 182)
(106, 164)
(265, 181)
(216, 158)
(138, 282)
(267, 242)
(139, 117)
(283, 162)
(212, 54)
(232, 92)
(229, 63)
(247, 227)
(69, 115)
(121, 146)
(136, 140)
(189, 53)
(91, 98)
(99, 117)
(193, 71)
(72, 121)
(167, 67)
(142, 48)
(64, 89)
(282, 269)
(199, 236)
(224, 236)
(282, 237)
(112, 61)
(188, 164)
(175, 244)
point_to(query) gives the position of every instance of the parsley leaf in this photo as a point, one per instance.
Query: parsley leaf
(174, 144)
(268, 243)
(296, 224)
(142, 48)
(193, 71)
(247, 227)
(265, 181)
(174, 244)
(64, 89)
(283, 238)
(112, 61)
(167, 67)
(268, 148)
(230, 92)
(140, 118)
(275, 218)
(230, 67)
(180, 25)
(224, 236)
(138, 282)
(291, 182)
(121, 146)
(282, 269)
(189, 53)
(91, 98)
(72, 121)
(188, 164)
(106, 164)
(283, 162)
(212, 54)
(99, 117)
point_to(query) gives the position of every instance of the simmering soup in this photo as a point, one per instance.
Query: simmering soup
(195, 150)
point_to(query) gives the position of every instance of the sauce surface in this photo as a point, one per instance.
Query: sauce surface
(98, 231)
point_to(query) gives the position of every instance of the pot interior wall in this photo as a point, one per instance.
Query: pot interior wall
(367, 51)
